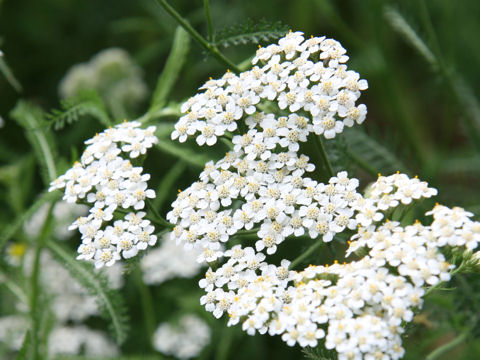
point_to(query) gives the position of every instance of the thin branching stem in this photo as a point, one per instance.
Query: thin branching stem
(197, 37)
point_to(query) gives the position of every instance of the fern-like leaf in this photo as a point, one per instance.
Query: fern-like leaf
(110, 302)
(250, 32)
(86, 103)
(371, 155)
(31, 119)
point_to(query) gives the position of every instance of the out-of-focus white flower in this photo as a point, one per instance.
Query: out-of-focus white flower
(80, 340)
(113, 74)
(12, 330)
(184, 340)
(168, 261)
(63, 215)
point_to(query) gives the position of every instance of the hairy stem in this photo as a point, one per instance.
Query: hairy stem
(435, 354)
(35, 288)
(197, 37)
(206, 7)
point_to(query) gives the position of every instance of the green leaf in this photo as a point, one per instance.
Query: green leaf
(110, 302)
(31, 118)
(175, 62)
(250, 32)
(8, 74)
(86, 103)
(11, 229)
(371, 155)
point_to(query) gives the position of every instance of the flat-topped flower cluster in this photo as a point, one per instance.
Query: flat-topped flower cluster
(297, 75)
(112, 185)
(260, 188)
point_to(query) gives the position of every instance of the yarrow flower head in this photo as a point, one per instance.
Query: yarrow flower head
(106, 178)
(295, 75)
(260, 187)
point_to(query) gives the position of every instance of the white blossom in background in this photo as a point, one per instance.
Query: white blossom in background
(12, 330)
(168, 261)
(183, 340)
(63, 214)
(113, 74)
(356, 308)
(106, 179)
(76, 340)
(71, 302)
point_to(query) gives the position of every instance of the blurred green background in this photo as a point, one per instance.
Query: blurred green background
(420, 58)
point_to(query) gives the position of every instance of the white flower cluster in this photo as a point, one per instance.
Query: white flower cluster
(296, 75)
(70, 301)
(185, 340)
(259, 188)
(13, 329)
(109, 182)
(63, 213)
(168, 261)
(113, 74)
(75, 340)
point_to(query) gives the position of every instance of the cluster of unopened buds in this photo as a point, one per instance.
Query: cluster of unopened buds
(259, 188)
(117, 191)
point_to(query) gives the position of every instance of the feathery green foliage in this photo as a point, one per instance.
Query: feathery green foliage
(31, 118)
(86, 103)
(110, 302)
(250, 32)
(319, 353)
(370, 155)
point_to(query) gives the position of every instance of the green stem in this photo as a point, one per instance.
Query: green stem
(306, 254)
(35, 288)
(157, 218)
(197, 37)
(147, 304)
(206, 7)
(435, 354)
(323, 155)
